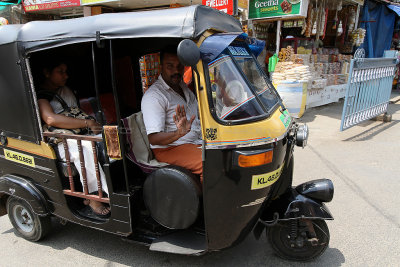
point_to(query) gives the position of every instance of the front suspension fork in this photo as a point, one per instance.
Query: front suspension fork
(298, 233)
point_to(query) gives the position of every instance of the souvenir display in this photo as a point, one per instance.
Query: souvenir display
(150, 69)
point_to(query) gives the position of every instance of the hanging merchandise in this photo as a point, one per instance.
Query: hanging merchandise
(335, 21)
(340, 29)
(321, 14)
(323, 20)
(358, 36)
(314, 27)
(338, 8)
(325, 23)
(309, 20)
(315, 20)
(352, 18)
(339, 5)
(303, 27)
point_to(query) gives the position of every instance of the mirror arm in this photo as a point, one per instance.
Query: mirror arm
(198, 77)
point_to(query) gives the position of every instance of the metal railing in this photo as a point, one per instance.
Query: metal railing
(72, 191)
(368, 89)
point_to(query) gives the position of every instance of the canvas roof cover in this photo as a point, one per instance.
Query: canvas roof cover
(185, 22)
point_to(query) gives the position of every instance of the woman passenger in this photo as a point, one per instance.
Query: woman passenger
(55, 74)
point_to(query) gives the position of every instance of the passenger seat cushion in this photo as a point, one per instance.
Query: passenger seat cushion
(89, 106)
(138, 140)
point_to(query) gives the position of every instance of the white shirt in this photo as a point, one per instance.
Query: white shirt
(67, 95)
(158, 107)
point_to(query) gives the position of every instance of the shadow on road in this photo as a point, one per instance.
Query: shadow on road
(114, 250)
(334, 111)
(371, 132)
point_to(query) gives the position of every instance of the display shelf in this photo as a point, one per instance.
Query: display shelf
(149, 69)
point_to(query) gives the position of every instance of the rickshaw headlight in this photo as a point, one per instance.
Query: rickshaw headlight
(302, 135)
(253, 160)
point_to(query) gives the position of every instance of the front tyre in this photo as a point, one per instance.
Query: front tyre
(26, 223)
(294, 240)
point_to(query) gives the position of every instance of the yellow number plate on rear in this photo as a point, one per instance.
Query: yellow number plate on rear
(19, 157)
(264, 180)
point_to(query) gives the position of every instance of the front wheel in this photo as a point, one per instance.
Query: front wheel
(26, 223)
(299, 240)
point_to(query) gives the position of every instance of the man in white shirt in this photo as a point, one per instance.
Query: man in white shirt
(170, 114)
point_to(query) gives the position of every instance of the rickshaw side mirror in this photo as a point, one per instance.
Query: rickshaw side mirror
(188, 53)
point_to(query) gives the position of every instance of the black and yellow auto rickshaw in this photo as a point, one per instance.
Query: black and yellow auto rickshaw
(247, 148)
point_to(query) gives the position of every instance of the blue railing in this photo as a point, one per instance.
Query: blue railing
(368, 89)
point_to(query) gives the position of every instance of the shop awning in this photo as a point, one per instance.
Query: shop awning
(395, 9)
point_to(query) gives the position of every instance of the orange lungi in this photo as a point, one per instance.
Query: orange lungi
(187, 156)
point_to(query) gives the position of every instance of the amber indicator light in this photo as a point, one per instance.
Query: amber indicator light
(255, 160)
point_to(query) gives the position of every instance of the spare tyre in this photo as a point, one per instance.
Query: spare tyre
(172, 196)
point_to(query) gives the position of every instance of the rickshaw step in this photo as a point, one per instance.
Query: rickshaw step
(187, 242)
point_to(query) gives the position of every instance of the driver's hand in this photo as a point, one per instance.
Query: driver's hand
(182, 124)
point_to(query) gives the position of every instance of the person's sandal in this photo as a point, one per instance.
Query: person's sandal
(102, 212)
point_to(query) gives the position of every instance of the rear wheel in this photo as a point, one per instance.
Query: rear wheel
(26, 223)
(299, 240)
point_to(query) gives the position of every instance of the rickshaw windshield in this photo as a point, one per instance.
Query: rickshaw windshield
(238, 87)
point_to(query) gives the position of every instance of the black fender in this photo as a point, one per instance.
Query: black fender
(293, 205)
(22, 188)
(289, 206)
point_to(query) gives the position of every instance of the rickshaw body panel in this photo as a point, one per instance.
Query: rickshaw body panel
(231, 206)
(16, 101)
(40, 184)
(21, 188)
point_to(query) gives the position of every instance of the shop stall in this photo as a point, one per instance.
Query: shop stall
(314, 41)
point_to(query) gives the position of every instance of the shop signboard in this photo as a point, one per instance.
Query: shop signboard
(37, 5)
(243, 4)
(279, 9)
(223, 5)
(91, 2)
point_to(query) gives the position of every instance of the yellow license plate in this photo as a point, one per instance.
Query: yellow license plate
(19, 158)
(260, 181)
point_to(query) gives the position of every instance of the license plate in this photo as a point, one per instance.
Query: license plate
(260, 181)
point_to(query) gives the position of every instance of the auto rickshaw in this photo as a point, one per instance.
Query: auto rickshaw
(247, 148)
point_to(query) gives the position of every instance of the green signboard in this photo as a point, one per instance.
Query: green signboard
(276, 8)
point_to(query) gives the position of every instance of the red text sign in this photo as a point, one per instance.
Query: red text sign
(223, 5)
(35, 5)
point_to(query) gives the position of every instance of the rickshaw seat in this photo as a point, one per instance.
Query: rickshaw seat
(89, 105)
(139, 151)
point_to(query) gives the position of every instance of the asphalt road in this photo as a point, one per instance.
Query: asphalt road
(363, 163)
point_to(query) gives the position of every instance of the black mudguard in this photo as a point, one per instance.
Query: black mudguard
(24, 189)
(289, 206)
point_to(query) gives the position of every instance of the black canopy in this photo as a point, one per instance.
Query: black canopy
(186, 22)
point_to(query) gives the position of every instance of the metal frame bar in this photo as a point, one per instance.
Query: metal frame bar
(118, 111)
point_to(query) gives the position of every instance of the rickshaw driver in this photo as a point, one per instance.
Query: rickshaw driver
(166, 106)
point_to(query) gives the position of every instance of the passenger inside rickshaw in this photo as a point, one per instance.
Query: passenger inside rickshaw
(56, 100)
(58, 108)
(129, 93)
